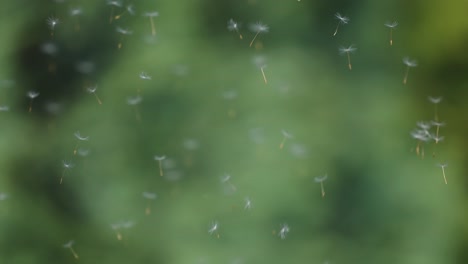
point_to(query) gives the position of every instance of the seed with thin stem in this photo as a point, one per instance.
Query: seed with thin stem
(226, 181)
(263, 74)
(144, 76)
(52, 22)
(437, 125)
(69, 245)
(341, 20)
(421, 135)
(135, 101)
(392, 26)
(67, 165)
(92, 90)
(247, 204)
(32, 95)
(213, 229)
(286, 135)
(347, 51)
(123, 32)
(121, 225)
(149, 196)
(151, 15)
(79, 138)
(436, 101)
(409, 64)
(258, 28)
(321, 179)
(160, 159)
(76, 12)
(284, 230)
(130, 9)
(113, 5)
(234, 26)
(443, 166)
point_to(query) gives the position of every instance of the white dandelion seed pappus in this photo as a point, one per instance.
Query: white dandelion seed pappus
(52, 22)
(434, 100)
(191, 144)
(144, 76)
(230, 95)
(33, 94)
(159, 158)
(114, 3)
(80, 137)
(259, 61)
(232, 25)
(67, 164)
(409, 62)
(392, 25)
(283, 231)
(124, 31)
(437, 124)
(286, 134)
(131, 9)
(83, 152)
(259, 27)
(213, 227)
(4, 196)
(134, 100)
(424, 125)
(4, 108)
(69, 244)
(247, 203)
(320, 179)
(342, 19)
(149, 195)
(91, 89)
(76, 11)
(49, 48)
(344, 50)
(151, 14)
(85, 67)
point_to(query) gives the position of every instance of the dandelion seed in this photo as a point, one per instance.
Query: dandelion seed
(144, 76)
(392, 26)
(130, 9)
(421, 135)
(341, 20)
(234, 26)
(160, 159)
(113, 4)
(149, 196)
(52, 22)
(435, 101)
(286, 135)
(69, 245)
(4, 108)
(437, 125)
(92, 90)
(409, 64)
(247, 203)
(76, 12)
(122, 225)
(213, 229)
(151, 15)
(32, 95)
(67, 165)
(347, 50)
(4, 196)
(79, 138)
(135, 101)
(123, 32)
(226, 181)
(321, 179)
(258, 28)
(283, 231)
(443, 166)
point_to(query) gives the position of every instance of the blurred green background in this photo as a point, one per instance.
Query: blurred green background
(209, 111)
